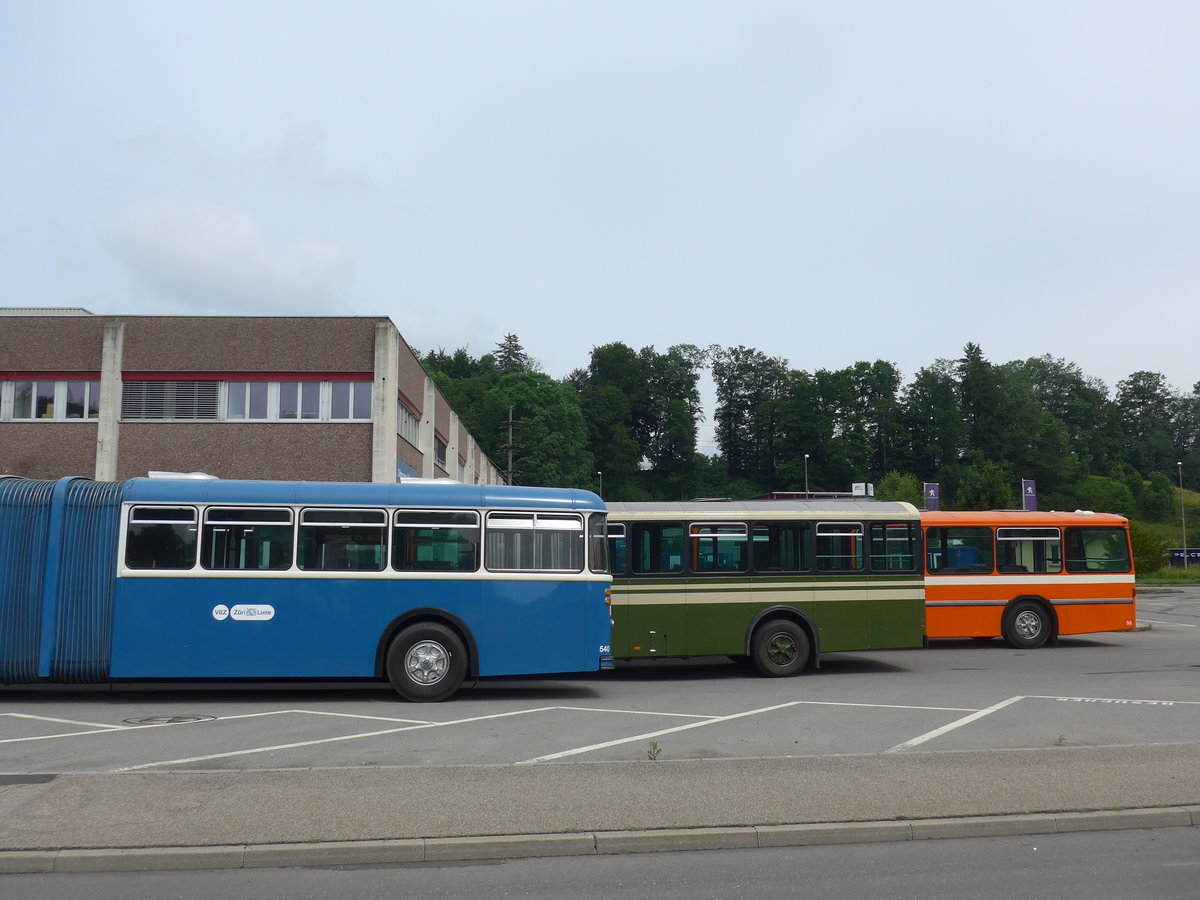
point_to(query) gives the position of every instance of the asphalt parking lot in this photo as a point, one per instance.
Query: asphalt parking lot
(1125, 689)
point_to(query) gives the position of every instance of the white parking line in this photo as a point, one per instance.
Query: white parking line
(635, 712)
(889, 706)
(195, 759)
(958, 723)
(654, 734)
(345, 737)
(64, 721)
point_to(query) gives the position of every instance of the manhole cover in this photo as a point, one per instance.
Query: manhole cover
(169, 720)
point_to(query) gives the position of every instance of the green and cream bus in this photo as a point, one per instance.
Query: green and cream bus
(775, 582)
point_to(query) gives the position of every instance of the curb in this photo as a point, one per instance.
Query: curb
(596, 843)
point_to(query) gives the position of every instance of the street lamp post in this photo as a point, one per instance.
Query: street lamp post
(601, 491)
(806, 497)
(1182, 514)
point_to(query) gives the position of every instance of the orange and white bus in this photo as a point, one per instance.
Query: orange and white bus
(1026, 576)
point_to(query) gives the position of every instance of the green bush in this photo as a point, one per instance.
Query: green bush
(1149, 550)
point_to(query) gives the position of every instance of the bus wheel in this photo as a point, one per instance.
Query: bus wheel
(426, 662)
(780, 647)
(1026, 625)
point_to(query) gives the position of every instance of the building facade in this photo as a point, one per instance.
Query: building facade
(287, 398)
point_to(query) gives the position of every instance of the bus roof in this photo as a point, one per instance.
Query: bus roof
(1018, 517)
(763, 509)
(410, 494)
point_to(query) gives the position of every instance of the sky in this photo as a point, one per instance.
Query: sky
(822, 182)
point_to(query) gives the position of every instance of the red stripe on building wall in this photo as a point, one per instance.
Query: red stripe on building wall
(247, 376)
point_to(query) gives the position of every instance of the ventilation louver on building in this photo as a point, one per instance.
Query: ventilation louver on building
(153, 400)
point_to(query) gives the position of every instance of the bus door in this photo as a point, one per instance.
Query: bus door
(649, 589)
(719, 591)
(842, 585)
(896, 597)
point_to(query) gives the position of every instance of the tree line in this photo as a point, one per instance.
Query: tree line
(628, 423)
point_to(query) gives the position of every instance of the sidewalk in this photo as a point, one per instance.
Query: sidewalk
(107, 822)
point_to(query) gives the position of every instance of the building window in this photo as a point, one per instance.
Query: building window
(52, 401)
(82, 399)
(408, 425)
(300, 400)
(289, 401)
(439, 453)
(246, 399)
(350, 400)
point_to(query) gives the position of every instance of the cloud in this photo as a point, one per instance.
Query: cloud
(217, 260)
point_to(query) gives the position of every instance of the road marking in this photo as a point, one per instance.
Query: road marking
(1116, 701)
(889, 706)
(716, 720)
(332, 740)
(958, 723)
(339, 715)
(636, 712)
(64, 721)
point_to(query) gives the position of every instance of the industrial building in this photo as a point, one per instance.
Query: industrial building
(339, 398)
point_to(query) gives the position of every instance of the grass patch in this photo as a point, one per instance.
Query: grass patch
(1169, 576)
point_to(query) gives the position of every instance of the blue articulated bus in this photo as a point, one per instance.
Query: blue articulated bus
(425, 584)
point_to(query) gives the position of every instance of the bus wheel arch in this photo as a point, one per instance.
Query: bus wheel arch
(1028, 623)
(782, 642)
(427, 656)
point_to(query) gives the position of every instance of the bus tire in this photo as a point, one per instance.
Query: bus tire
(780, 648)
(426, 662)
(1026, 625)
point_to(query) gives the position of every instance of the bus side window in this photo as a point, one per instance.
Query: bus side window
(342, 540)
(1097, 550)
(893, 546)
(247, 538)
(782, 547)
(657, 547)
(435, 540)
(534, 542)
(161, 537)
(618, 554)
(1029, 550)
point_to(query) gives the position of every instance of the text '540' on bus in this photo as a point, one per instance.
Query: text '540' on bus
(1027, 576)
(776, 582)
(424, 584)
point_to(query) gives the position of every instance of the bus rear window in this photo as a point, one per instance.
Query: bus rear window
(161, 537)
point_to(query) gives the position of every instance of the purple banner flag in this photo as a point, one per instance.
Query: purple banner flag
(933, 493)
(1028, 495)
